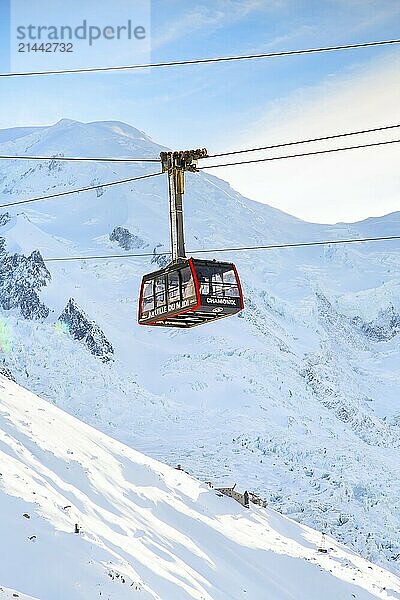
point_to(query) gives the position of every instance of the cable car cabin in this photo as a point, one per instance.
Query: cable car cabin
(190, 293)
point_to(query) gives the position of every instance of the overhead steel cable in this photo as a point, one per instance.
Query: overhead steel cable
(197, 61)
(77, 191)
(80, 158)
(313, 153)
(232, 152)
(232, 249)
(128, 180)
(305, 141)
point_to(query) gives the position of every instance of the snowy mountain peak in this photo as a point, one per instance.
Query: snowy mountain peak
(122, 129)
(295, 399)
(65, 123)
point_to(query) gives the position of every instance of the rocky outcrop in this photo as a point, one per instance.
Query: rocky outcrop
(88, 332)
(126, 239)
(21, 277)
(4, 219)
(161, 260)
(5, 371)
(384, 327)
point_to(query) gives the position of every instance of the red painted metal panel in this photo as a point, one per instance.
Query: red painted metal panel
(239, 285)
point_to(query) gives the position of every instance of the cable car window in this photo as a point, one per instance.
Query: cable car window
(204, 285)
(230, 285)
(160, 291)
(148, 296)
(229, 277)
(203, 276)
(217, 284)
(232, 291)
(187, 283)
(173, 287)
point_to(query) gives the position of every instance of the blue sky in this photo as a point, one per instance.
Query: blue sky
(227, 105)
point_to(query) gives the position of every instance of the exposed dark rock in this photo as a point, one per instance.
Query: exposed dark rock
(55, 165)
(5, 371)
(21, 277)
(86, 331)
(126, 239)
(346, 407)
(4, 218)
(159, 259)
(338, 326)
(384, 327)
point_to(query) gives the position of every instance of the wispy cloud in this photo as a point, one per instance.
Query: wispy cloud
(210, 16)
(345, 186)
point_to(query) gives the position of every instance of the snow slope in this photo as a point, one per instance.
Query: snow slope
(296, 398)
(146, 530)
(7, 594)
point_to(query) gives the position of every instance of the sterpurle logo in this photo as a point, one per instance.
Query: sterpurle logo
(55, 34)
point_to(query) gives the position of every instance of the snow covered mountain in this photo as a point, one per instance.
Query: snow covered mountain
(84, 516)
(296, 398)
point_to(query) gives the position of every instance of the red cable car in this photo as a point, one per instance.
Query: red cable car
(188, 291)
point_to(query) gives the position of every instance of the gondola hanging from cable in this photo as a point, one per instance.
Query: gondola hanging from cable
(189, 291)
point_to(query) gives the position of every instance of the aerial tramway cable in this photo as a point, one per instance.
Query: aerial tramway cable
(197, 61)
(312, 153)
(130, 179)
(228, 153)
(85, 189)
(305, 141)
(230, 249)
(80, 158)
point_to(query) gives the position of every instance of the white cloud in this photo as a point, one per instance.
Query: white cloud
(344, 186)
(202, 16)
